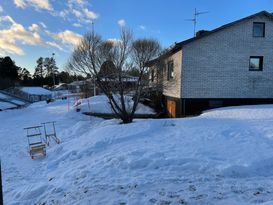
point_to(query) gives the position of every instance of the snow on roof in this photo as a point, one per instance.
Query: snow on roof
(36, 90)
(11, 99)
(3, 96)
(6, 105)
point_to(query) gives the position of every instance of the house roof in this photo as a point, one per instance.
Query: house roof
(178, 46)
(35, 90)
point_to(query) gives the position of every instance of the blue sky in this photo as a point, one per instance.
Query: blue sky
(33, 28)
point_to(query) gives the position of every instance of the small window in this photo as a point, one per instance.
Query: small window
(170, 72)
(256, 63)
(258, 29)
(152, 75)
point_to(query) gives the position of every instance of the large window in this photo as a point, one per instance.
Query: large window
(170, 72)
(258, 29)
(256, 63)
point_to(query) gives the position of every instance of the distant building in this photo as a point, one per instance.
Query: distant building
(31, 94)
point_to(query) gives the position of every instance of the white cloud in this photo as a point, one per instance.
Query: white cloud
(1, 9)
(63, 13)
(43, 24)
(66, 37)
(77, 25)
(20, 3)
(54, 44)
(76, 13)
(38, 4)
(90, 14)
(121, 22)
(34, 27)
(16, 34)
(141, 27)
(80, 1)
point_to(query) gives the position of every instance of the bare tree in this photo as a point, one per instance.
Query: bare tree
(94, 54)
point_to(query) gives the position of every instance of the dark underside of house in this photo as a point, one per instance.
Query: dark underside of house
(181, 107)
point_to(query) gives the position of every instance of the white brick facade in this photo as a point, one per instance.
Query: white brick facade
(217, 65)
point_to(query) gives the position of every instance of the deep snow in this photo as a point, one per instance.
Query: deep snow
(224, 156)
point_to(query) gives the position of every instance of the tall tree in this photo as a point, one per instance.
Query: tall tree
(8, 69)
(23, 74)
(94, 53)
(51, 68)
(8, 72)
(39, 69)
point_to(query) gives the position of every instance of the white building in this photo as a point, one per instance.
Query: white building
(230, 65)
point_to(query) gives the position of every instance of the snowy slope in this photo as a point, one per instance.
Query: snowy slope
(224, 156)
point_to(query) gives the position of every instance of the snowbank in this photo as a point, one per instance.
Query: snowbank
(100, 104)
(218, 158)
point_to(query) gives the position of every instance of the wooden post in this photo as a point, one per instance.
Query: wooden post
(1, 189)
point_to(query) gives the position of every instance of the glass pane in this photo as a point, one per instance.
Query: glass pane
(171, 70)
(255, 63)
(258, 30)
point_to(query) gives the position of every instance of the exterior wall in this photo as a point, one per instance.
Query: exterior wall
(172, 88)
(36, 98)
(217, 66)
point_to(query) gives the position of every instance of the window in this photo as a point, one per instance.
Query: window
(256, 63)
(152, 75)
(170, 73)
(258, 29)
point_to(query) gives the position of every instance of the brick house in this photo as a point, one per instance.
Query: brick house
(230, 65)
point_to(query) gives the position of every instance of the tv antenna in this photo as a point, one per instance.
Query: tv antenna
(194, 20)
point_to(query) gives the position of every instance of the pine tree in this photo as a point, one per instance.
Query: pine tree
(39, 70)
(50, 66)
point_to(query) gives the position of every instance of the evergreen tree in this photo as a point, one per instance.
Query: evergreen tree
(39, 69)
(51, 70)
(8, 69)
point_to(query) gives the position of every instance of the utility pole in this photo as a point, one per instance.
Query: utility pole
(194, 20)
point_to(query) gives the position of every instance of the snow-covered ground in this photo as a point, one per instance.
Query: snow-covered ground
(224, 156)
(100, 104)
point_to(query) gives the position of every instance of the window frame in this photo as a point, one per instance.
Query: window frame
(170, 74)
(263, 23)
(261, 62)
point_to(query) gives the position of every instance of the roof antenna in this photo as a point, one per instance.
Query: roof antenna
(196, 14)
